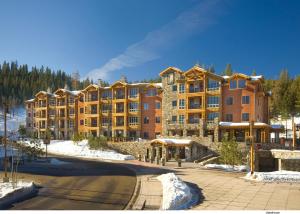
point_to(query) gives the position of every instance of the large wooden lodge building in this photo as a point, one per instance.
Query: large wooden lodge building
(194, 103)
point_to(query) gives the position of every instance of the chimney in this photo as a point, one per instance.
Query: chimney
(123, 79)
(49, 90)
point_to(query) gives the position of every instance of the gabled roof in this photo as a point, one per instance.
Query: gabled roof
(74, 93)
(202, 70)
(170, 69)
(44, 93)
(91, 86)
(119, 82)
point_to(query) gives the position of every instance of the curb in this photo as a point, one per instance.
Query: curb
(18, 195)
(135, 195)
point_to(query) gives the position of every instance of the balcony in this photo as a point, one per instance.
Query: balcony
(195, 90)
(193, 120)
(120, 123)
(120, 96)
(91, 99)
(195, 106)
(42, 105)
(61, 103)
(120, 110)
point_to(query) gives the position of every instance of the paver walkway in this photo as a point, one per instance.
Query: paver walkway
(228, 191)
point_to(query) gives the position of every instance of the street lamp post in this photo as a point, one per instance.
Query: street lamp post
(251, 148)
(6, 178)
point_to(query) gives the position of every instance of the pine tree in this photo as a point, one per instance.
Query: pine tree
(228, 70)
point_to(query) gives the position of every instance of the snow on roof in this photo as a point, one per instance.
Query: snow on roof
(173, 141)
(31, 100)
(256, 77)
(158, 84)
(226, 77)
(241, 124)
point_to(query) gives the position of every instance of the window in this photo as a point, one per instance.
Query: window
(146, 135)
(174, 119)
(151, 92)
(28, 105)
(181, 104)
(174, 88)
(174, 103)
(242, 83)
(133, 92)
(233, 84)
(29, 124)
(52, 102)
(181, 119)
(106, 95)
(71, 123)
(106, 121)
(146, 120)
(245, 99)
(213, 85)
(71, 111)
(133, 107)
(212, 116)
(181, 88)
(213, 101)
(170, 78)
(81, 110)
(245, 116)
(146, 106)
(229, 117)
(133, 120)
(29, 114)
(81, 122)
(157, 105)
(229, 101)
(157, 119)
(71, 100)
(106, 108)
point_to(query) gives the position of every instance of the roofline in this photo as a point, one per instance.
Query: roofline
(171, 68)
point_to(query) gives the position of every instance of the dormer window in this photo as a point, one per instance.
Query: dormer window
(233, 84)
(242, 83)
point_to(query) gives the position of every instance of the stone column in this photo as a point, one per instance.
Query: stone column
(188, 153)
(201, 128)
(216, 130)
(279, 164)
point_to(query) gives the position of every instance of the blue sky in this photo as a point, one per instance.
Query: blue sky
(139, 38)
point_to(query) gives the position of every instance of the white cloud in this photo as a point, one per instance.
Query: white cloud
(188, 23)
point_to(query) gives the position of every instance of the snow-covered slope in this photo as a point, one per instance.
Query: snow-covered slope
(81, 149)
(176, 194)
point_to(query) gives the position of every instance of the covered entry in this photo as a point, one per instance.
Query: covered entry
(170, 149)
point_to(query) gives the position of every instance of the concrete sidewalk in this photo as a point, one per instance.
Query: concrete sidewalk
(222, 190)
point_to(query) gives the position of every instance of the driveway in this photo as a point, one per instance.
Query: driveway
(74, 184)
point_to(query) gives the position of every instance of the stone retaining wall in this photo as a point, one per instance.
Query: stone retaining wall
(131, 148)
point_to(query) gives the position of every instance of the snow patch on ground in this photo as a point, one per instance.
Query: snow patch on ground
(230, 168)
(176, 194)
(6, 188)
(276, 176)
(80, 149)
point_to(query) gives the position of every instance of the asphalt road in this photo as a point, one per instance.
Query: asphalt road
(78, 185)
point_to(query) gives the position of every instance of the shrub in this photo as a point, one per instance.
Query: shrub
(97, 142)
(230, 153)
(77, 137)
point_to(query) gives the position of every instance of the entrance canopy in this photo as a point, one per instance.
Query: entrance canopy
(172, 142)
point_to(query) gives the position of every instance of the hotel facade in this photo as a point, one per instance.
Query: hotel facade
(186, 104)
